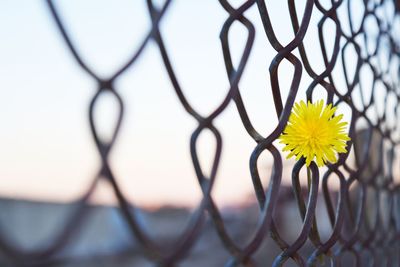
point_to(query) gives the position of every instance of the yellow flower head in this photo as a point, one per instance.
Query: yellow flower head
(314, 131)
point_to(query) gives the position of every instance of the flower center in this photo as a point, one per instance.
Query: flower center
(313, 134)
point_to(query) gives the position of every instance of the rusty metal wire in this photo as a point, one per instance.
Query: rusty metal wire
(364, 217)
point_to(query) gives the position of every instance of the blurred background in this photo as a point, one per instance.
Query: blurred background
(48, 157)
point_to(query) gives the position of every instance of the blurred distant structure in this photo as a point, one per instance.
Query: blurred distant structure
(104, 237)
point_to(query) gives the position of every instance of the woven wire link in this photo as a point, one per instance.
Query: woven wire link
(365, 225)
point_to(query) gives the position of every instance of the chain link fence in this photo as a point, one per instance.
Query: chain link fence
(363, 213)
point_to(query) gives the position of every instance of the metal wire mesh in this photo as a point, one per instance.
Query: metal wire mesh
(365, 216)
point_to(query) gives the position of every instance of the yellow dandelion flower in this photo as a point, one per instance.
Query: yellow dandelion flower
(314, 132)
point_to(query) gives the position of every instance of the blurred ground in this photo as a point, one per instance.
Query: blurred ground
(104, 240)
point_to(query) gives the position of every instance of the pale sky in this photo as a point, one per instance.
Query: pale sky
(47, 152)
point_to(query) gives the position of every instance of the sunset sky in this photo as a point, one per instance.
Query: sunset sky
(47, 152)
